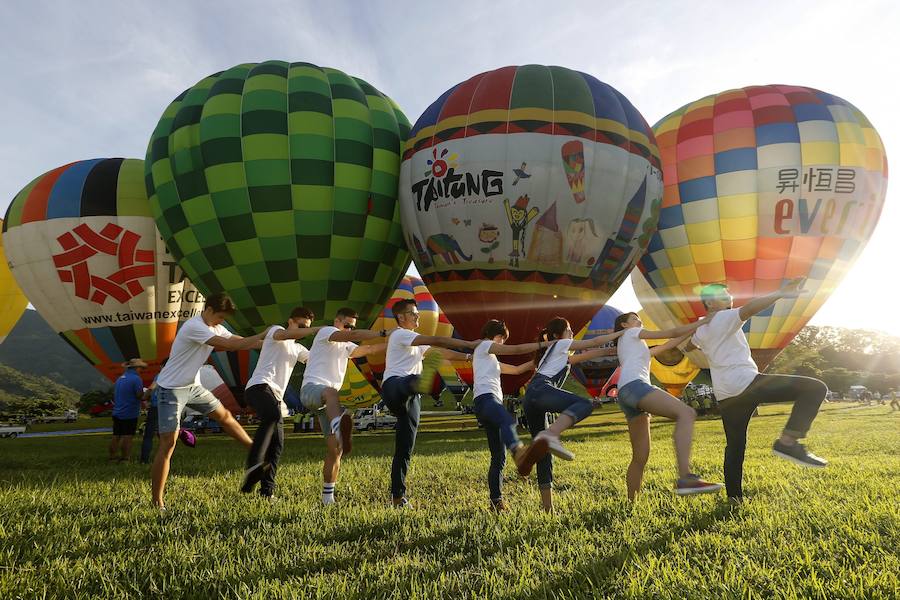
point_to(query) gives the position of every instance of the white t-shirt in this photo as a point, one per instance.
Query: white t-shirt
(559, 358)
(725, 346)
(401, 358)
(327, 362)
(276, 362)
(487, 371)
(189, 352)
(634, 357)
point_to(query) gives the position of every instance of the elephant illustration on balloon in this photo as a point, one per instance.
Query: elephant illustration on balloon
(445, 246)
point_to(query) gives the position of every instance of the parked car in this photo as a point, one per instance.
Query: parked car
(11, 431)
(369, 419)
(201, 424)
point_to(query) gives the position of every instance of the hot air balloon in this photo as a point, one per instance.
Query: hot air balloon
(276, 182)
(595, 373)
(526, 193)
(211, 380)
(12, 300)
(83, 247)
(762, 184)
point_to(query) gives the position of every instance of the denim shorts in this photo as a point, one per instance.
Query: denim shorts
(172, 402)
(630, 394)
(311, 399)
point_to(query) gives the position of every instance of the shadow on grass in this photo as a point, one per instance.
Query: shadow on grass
(604, 574)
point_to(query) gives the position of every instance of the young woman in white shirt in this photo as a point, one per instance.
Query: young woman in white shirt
(544, 394)
(638, 399)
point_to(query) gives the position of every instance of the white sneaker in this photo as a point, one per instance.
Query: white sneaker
(555, 446)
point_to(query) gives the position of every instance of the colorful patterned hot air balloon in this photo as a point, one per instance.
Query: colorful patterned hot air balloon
(277, 183)
(594, 374)
(212, 380)
(83, 247)
(763, 184)
(528, 192)
(12, 300)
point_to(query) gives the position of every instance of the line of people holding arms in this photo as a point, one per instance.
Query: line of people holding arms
(413, 359)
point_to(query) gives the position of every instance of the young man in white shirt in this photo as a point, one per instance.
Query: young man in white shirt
(332, 347)
(281, 350)
(740, 387)
(178, 385)
(406, 379)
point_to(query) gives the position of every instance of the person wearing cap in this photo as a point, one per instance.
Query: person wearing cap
(127, 397)
(740, 388)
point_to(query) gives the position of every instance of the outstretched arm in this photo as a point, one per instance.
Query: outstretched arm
(452, 354)
(581, 357)
(237, 342)
(516, 369)
(674, 332)
(294, 334)
(356, 335)
(512, 349)
(597, 341)
(791, 289)
(444, 342)
(672, 343)
(368, 349)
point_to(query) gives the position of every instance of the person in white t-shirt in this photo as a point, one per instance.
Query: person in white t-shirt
(179, 386)
(544, 394)
(406, 378)
(637, 397)
(740, 388)
(281, 351)
(332, 347)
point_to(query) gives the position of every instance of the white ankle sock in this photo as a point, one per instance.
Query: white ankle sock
(328, 493)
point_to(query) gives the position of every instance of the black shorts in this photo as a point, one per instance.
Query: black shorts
(124, 426)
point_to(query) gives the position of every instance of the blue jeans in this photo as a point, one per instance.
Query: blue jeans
(500, 427)
(151, 424)
(404, 403)
(542, 397)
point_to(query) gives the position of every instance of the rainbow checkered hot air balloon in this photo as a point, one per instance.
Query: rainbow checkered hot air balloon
(762, 184)
(83, 247)
(12, 300)
(277, 183)
(526, 193)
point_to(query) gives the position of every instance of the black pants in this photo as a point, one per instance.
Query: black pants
(405, 404)
(807, 395)
(269, 439)
(151, 425)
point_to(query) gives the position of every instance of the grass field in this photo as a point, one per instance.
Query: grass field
(73, 526)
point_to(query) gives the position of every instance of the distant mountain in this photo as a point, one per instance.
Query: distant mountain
(34, 348)
(27, 393)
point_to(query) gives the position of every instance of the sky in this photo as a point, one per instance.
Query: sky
(90, 79)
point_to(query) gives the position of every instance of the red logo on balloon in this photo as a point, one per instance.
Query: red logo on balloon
(82, 243)
(439, 166)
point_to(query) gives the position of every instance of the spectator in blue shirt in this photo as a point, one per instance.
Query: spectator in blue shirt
(127, 398)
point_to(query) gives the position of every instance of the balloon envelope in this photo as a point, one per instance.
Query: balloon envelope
(526, 193)
(593, 374)
(83, 247)
(763, 184)
(277, 182)
(12, 300)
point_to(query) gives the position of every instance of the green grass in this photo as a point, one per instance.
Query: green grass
(73, 526)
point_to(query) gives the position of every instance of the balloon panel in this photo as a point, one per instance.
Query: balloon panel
(593, 374)
(673, 369)
(277, 182)
(12, 300)
(528, 192)
(763, 184)
(213, 382)
(83, 247)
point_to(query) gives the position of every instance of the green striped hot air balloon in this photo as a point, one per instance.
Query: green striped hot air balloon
(277, 183)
